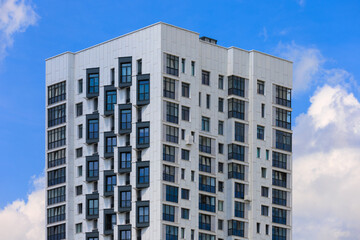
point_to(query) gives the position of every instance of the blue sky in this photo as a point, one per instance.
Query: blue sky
(323, 39)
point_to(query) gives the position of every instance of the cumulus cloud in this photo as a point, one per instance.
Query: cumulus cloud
(24, 220)
(15, 16)
(326, 167)
(310, 70)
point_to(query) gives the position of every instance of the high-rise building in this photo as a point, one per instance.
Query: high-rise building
(160, 134)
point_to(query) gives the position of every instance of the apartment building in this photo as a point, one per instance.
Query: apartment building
(160, 134)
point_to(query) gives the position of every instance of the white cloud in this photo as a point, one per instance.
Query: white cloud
(301, 2)
(22, 220)
(327, 166)
(15, 16)
(264, 33)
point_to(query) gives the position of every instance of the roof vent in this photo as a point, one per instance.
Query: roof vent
(209, 40)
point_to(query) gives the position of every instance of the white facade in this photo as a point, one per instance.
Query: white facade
(152, 45)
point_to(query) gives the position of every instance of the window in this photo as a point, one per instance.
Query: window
(207, 203)
(204, 164)
(220, 224)
(168, 213)
(205, 144)
(56, 115)
(183, 65)
(192, 234)
(143, 214)
(56, 177)
(110, 221)
(236, 228)
(172, 65)
(112, 76)
(221, 205)
(168, 173)
(172, 134)
(56, 138)
(185, 90)
(56, 214)
(80, 86)
(143, 175)
(279, 179)
(56, 195)
(221, 105)
(283, 140)
(239, 209)
(143, 90)
(279, 215)
(236, 152)
(93, 207)
(204, 222)
(236, 171)
(56, 93)
(221, 128)
(239, 190)
(185, 213)
(185, 154)
(279, 233)
(78, 227)
(183, 134)
(220, 167)
(205, 124)
(185, 194)
(283, 96)
(125, 235)
(80, 171)
(183, 173)
(207, 101)
(192, 68)
(260, 132)
(205, 78)
(182, 232)
(79, 152)
(93, 83)
(236, 86)
(125, 199)
(168, 153)
(79, 109)
(56, 232)
(125, 119)
(264, 210)
(220, 186)
(258, 152)
(236, 109)
(80, 131)
(267, 229)
(239, 132)
(139, 66)
(221, 148)
(110, 100)
(110, 183)
(260, 87)
(221, 82)
(185, 113)
(143, 135)
(110, 144)
(93, 169)
(283, 118)
(207, 184)
(139, 114)
(93, 129)
(257, 227)
(267, 154)
(171, 194)
(125, 160)
(56, 158)
(279, 197)
(125, 71)
(172, 112)
(169, 88)
(262, 110)
(263, 172)
(79, 208)
(171, 233)
(192, 176)
(264, 191)
(199, 99)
